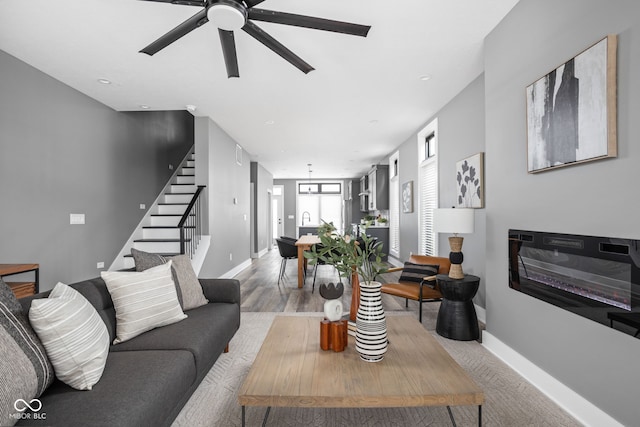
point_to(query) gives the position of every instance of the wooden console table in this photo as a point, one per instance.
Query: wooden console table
(22, 289)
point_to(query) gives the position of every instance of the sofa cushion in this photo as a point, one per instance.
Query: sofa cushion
(25, 370)
(76, 339)
(138, 388)
(188, 287)
(142, 300)
(206, 332)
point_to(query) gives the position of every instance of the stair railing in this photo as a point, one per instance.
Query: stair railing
(190, 224)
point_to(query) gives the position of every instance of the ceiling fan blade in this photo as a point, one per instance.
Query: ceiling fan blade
(200, 3)
(309, 22)
(229, 52)
(186, 27)
(252, 3)
(264, 38)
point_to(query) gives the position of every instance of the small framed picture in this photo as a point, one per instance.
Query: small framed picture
(407, 197)
(470, 181)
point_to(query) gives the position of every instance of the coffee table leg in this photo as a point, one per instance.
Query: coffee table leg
(453, 421)
(242, 415)
(266, 415)
(479, 415)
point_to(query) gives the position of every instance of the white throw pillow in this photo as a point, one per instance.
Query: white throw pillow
(143, 300)
(73, 334)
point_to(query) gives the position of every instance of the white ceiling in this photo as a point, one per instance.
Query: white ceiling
(364, 98)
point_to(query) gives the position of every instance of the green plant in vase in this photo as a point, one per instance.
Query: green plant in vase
(346, 252)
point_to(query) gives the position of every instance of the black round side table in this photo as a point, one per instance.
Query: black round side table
(457, 318)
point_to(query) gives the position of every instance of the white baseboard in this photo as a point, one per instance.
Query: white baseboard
(579, 407)
(237, 269)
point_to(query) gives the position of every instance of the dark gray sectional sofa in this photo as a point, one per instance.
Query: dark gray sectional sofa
(148, 379)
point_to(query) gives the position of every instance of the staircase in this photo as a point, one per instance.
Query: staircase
(161, 228)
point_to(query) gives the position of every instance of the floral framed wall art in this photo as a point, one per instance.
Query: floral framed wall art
(571, 112)
(407, 197)
(470, 182)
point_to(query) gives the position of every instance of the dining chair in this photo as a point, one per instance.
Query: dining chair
(288, 250)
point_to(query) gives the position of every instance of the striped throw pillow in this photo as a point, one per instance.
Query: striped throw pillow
(417, 272)
(25, 370)
(142, 300)
(74, 335)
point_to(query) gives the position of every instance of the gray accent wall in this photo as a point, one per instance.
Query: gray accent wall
(62, 152)
(598, 198)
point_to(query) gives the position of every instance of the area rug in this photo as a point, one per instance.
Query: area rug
(509, 399)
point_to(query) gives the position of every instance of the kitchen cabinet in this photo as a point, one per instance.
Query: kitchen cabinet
(364, 194)
(378, 189)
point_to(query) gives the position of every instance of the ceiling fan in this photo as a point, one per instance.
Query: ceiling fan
(231, 15)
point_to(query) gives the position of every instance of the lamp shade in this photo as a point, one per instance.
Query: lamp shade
(457, 221)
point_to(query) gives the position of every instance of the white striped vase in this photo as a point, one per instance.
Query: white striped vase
(371, 325)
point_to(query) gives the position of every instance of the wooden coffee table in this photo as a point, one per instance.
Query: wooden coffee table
(291, 370)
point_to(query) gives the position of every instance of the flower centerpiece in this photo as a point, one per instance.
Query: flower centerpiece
(356, 257)
(348, 253)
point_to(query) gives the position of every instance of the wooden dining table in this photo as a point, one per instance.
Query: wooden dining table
(304, 243)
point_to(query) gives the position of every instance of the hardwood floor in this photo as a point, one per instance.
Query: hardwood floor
(260, 291)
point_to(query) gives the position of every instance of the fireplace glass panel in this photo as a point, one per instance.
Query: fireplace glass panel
(594, 277)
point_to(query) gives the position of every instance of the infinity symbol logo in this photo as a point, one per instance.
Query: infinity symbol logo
(21, 405)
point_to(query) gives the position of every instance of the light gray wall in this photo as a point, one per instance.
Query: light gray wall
(226, 180)
(598, 198)
(62, 152)
(460, 134)
(263, 184)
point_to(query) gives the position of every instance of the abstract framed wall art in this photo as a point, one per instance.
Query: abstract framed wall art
(470, 182)
(571, 112)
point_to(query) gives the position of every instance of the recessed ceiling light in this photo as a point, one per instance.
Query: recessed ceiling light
(425, 77)
(191, 108)
(270, 122)
(144, 107)
(104, 81)
(374, 121)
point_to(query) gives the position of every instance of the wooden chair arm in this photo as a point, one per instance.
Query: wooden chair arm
(429, 281)
(394, 269)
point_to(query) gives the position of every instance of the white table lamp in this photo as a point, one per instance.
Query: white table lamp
(456, 221)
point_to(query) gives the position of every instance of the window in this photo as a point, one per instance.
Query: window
(428, 191)
(394, 206)
(319, 188)
(319, 201)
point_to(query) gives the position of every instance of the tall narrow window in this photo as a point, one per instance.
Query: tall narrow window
(428, 192)
(394, 205)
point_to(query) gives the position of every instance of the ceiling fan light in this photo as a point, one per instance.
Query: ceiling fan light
(227, 15)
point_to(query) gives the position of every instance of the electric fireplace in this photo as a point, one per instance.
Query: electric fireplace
(594, 277)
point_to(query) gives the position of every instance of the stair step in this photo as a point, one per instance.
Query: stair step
(172, 208)
(162, 232)
(188, 171)
(183, 188)
(157, 245)
(165, 220)
(178, 197)
(191, 163)
(185, 179)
